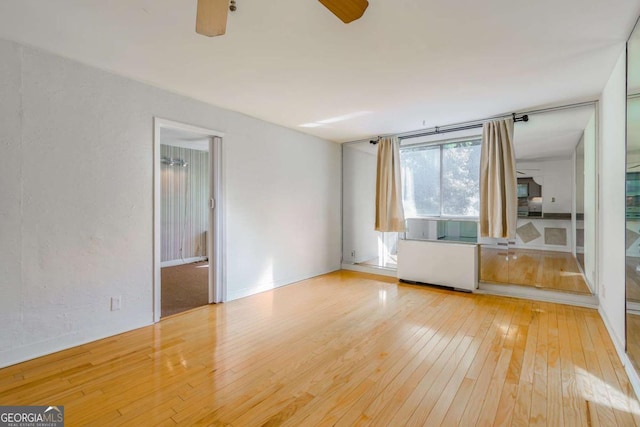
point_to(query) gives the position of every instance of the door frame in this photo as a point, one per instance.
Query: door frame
(216, 236)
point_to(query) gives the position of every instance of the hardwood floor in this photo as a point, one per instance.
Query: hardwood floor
(633, 339)
(343, 349)
(528, 267)
(632, 278)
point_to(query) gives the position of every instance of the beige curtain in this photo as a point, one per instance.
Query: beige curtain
(498, 183)
(389, 211)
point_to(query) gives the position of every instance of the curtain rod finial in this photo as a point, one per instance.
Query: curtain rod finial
(523, 118)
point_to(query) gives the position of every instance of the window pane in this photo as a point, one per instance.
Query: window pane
(461, 178)
(421, 181)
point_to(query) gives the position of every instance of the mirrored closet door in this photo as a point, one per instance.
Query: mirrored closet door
(554, 246)
(632, 211)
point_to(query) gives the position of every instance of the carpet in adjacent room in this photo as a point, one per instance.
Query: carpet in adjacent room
(184, 287)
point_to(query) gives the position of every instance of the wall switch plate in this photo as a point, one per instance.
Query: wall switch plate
(116, 303)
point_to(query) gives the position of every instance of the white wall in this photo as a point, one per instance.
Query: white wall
(578, 159)
(11, 196)
(359, 195)
(590, 214)
(76, 212)
(611, 233)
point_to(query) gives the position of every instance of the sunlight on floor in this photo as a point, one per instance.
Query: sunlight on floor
(569, 274)
(617, 399)
(382, 297)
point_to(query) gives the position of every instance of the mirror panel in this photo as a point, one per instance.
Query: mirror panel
(361, 244)
(554, 247)
(585, 203)
(632, 211)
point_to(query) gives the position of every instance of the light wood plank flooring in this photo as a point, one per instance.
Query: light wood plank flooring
(343, 349)
(633, 339)
(528, 267)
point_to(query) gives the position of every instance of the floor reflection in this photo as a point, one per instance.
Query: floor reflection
(536, 268)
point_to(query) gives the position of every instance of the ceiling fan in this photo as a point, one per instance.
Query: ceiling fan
(211, 18)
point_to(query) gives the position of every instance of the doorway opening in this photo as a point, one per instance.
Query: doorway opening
(188, 267)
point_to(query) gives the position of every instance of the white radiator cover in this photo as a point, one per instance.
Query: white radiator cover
(439, 263)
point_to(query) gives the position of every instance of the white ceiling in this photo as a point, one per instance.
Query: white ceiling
(550, 135)
(406, 65)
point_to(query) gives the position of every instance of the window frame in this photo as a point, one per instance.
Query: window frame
(440, 143)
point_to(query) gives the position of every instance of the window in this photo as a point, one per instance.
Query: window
(441, 180)
(421, 181)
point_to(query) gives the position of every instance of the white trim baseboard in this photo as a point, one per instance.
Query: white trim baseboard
(175, 262)
(49, 346)
(634, 378)
(633, 307)
(370, 269)
(271, 285)
(536, 294)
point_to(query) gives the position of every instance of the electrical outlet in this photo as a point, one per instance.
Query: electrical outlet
(353, 254)
(116, 303)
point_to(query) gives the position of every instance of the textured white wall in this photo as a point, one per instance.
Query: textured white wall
(611, 233)
(77, 187)
(283, 207)
(10, 195)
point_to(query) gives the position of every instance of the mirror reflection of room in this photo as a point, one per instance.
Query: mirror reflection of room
(550, 234)
(554, 246)
(632, 260)
(362, 245)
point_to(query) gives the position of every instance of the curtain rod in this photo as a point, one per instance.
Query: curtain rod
(452, 128)
(475, 124)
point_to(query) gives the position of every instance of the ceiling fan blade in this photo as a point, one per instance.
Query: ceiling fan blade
(211, 19)
(346, 10)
